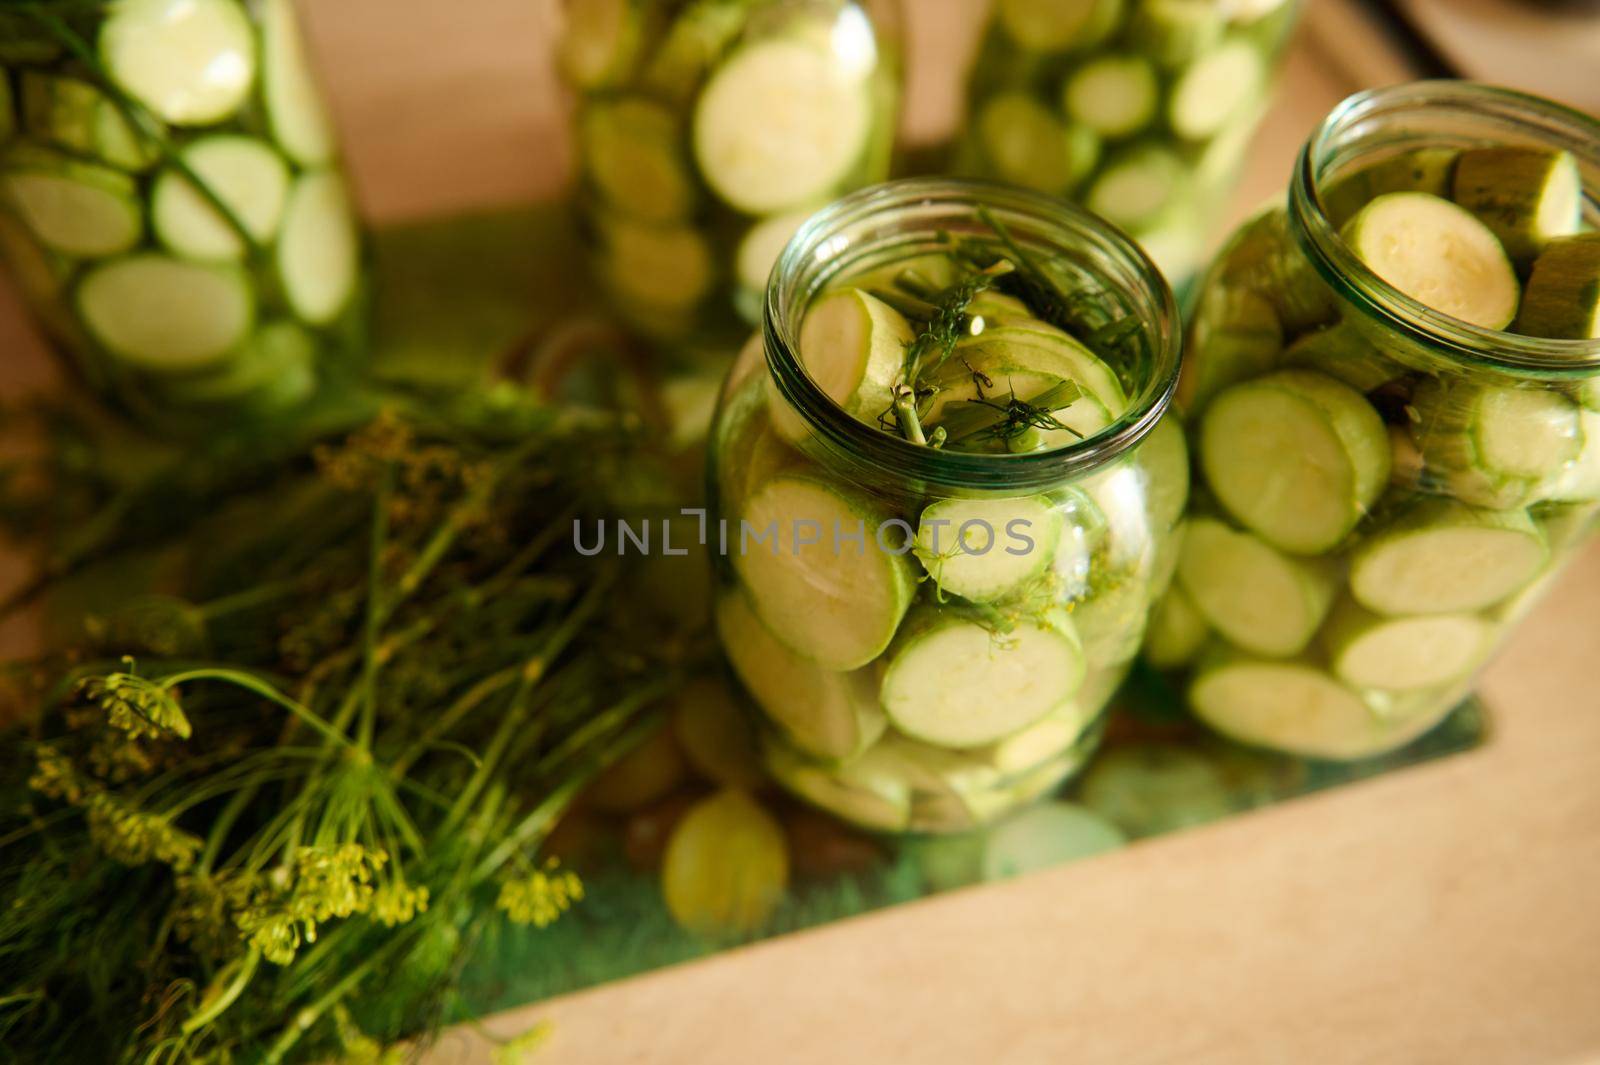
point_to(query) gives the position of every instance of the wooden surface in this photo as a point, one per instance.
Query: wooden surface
(1444, 914)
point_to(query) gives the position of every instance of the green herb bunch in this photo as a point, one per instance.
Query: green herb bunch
(260, 814)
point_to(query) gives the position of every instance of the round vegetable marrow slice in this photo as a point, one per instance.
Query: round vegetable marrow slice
(599, 40)
(953, 683)
(781, 124)
(1027, 145)
(1562, 299)
(1214, 88)
(1057, 25)
(274, 370)
(1296, 457)
(809, 551)
(1177, 631)
(78, 209)
(319, 251)
(827, 714)
(1527, 196)
(192, 62)
(167, 315)
(761, 246)
(1402, 654)
(663, 268)
(295, 111)
(1113, 95)
(1439, 254)
(853, 347)
(1137, 185)
(1494, 445)
(1258, 597)
(872, 791)
(631, 148)
(1443, 557)
(1045, 835)
(987, 549)
(244, 173)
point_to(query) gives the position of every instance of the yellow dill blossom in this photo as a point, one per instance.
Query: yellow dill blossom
(397, 902)
(134, 837)
(317, 885)
(54, 777)
(138, 705)
(540, 898)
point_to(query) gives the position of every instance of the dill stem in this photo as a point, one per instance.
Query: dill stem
(469, 701)
(227, 997)
(905, 415)
(240, 679)
(374, 621)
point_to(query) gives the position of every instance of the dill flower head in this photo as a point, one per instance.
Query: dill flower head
(133, 836)
(54, 776)
(138, 706)
(540, 898)
(318, 884)
(397, 902)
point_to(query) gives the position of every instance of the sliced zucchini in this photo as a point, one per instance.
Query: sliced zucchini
(830, 602)
(828, 715)
(1260, 599)
(1437, 253)
(1580, 481)
(986, 550)
(1562, 298)
(1439, 556)
(1430, 170)
(632, 151)
(1114, 95)
(1163, 459)
(759, 251)
(853, 346)
(1137, 185)
(1014, 349)
(165, 315)
(1367, 650)
(662, 268)
(1235, 336)
(1176, 33)
(1342, 352)
(599, 42)
(118, 143)
(276, 369)
(871, 791)
(1111, 620)
(1264, 256)
(1495, 445)
(1043, 741)
(77, 209)
(295, 109)
(1215, 89)
(1042, 836)
(1027, 145)
(781, 124)
(192, 62)
(246, 174)
(1150, 788)
(1059, 25)
(701, 31)
(1177, 632)
(319, 249)
(59, 111)
(1296, 457)
(951, 791)
(1527, 196)
(953, 683)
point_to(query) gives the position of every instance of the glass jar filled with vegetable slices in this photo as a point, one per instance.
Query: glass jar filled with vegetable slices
(171, 202)
(944, 489)
(1139, 109)
(707, 130)
(1394, 387)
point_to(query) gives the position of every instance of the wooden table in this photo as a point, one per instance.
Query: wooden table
(1443, 914)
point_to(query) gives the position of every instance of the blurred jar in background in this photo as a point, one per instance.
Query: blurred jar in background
(708, 130)
(1141, 110)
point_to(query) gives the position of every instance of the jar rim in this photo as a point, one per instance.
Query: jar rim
(824, 240)
(1535, 119)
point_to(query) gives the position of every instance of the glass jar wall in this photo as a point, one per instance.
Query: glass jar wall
(1141, 110)
(707, 130)
(174, 209)
(1394, 389)
(957, 359)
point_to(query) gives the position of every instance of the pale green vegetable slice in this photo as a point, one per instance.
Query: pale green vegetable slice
(1027, 145)
(1114, 95)
(1496, 445)
(1580, 481)
(781, 124)
(987, 549)
(1216, 87)
(1562, 298)
(1344, 353)
(1149, 788)
(118, 143)
(1047, 351)
(1058, 25)
(726, 866)
(1175, 33)
(1439, 254)
(1235, 335)
(250, 179)
(58, 110)
(166, 315)
(853, 347)
(662, 268)
(1136, 185)
(953, 683)
(1527, 196)
(1043, 741)
(192, 62)
(1368, 650)
(1429, 170)
(1046, 835)
(633, 154)
(78, 209)
(830, 715)
(871, 791)
(1442, 557)
(1295, 456)
(295, 110)
(1163, 459)
(599, 41)
(1259, 598)
(761, 246)
(1178, 631)
(319, 248)
(275, 370)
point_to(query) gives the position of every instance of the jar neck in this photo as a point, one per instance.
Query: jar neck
(1372, 126)
(901, 220)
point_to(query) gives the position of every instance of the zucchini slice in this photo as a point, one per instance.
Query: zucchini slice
(633, 154)
(1439, 254)
(276, 369)
(165, 315)
(1058, 25)
(1527, 196)
(1430, 170)
(1176, 33)
(1439, 556)
(78, 209)
(1421, 651)
(295, 109)
(118, 143)
(953, 683)
(1235, 336)
(832, 598)
(1495, 445)
(1137, 185)
(781, 124)
(192, 62)
(658, 268)
(1343, 353)
(1049, 834)
(246, 174)
(853, 347)
(1150, 788)
(759, 250)
(871, 791)
(1562, 298)
(1218, 86)
(1027, 145)
(1178, 631)
(58, 110)
(599, 42)
(1163, 459)
(1296, 457)
(827, 714)
(988, 549)
(1260, 599)
(319, 249)
(1114, 95)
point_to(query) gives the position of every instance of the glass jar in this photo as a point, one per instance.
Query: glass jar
(1383, 487)
(1141, 110)
(708, 130)
(176, 216)
(894, 689)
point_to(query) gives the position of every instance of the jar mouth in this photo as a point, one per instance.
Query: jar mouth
(900, 219)
(1439, 114)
